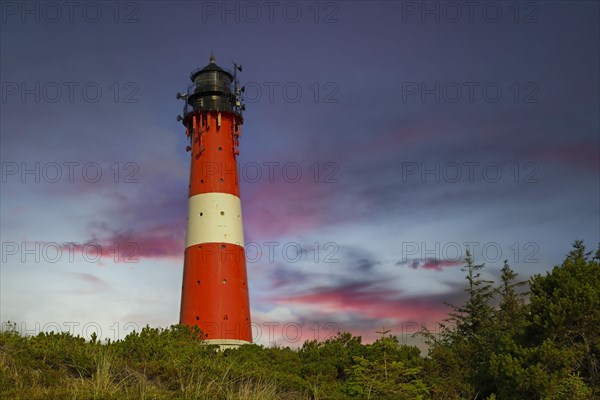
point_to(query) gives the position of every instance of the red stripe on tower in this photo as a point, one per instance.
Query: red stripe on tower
(215, 287)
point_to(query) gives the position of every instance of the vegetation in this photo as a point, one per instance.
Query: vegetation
(546, 348)
(513, 340)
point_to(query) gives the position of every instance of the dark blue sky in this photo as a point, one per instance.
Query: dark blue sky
(417, 127)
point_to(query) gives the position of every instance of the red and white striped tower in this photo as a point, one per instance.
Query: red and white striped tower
(215, 286)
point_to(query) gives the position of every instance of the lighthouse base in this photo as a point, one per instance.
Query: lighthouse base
(226, 343)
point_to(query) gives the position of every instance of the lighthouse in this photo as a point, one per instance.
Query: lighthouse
(214, 294)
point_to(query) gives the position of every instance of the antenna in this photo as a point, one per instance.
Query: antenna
(383, 331)
(237, 91)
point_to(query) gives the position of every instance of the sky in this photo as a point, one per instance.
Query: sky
(382, 139)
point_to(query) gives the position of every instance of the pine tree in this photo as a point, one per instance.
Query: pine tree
(459, 354)
(565, 307)
(556, 355)
(512, 313)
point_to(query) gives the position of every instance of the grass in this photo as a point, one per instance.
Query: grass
(154, 364)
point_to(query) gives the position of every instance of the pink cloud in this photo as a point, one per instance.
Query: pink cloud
(153, 243)
(370, 302)
(130, 246)
(437, 265)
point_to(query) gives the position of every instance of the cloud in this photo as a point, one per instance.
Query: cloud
(430, 263)
(131, 247)
(369, 301)
(360, 308)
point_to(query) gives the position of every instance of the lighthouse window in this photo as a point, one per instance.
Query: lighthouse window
(198, 282)
(224, 281)
(222, 212)
(221, 180)
(220, 148)
(201, 214)
(197, 318)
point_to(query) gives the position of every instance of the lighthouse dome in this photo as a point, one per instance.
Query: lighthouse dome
(209, 68)
(213, 88)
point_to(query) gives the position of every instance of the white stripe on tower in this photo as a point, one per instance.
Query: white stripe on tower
(214, 218)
